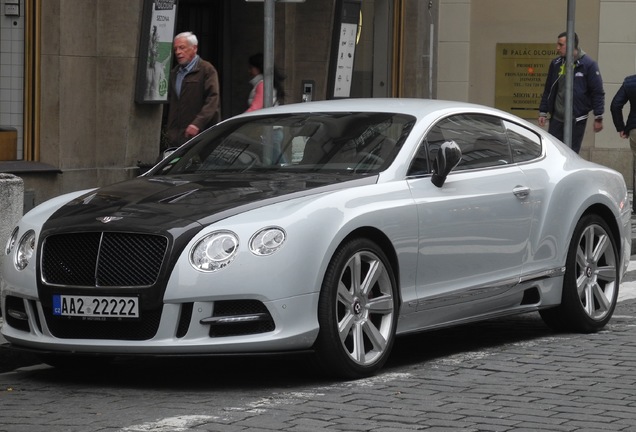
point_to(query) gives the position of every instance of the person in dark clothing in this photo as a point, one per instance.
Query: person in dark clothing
(193, 92)
(588, 94)
(626, 93)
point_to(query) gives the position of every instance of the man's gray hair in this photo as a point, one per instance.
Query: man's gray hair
(192, 39)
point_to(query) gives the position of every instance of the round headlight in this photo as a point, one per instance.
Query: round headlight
(25, 250)
(214, 251)
(267, 241)
(12, 240)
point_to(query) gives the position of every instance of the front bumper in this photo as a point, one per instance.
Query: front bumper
(294, 319)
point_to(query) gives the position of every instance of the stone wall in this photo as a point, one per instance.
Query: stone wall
(91, 128)
(11, 202)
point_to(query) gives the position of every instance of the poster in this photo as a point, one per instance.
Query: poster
(344, 63)
(155, 51)
(521, 71)
(345, 37)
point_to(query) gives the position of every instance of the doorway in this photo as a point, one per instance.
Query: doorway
(204, 19)
(372, 67)
(207, 20)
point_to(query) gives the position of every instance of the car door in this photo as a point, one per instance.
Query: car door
(473, 231)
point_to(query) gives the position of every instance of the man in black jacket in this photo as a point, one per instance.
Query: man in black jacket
(626, 93)
(588, 94)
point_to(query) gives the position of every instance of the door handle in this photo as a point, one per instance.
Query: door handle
(521, 192)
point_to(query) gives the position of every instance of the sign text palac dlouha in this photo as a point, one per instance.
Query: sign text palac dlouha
(520, 76)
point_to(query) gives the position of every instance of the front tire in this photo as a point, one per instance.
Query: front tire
(357, 311)
(591, 280)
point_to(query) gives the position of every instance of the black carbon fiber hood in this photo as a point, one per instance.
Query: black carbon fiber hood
(156, 203)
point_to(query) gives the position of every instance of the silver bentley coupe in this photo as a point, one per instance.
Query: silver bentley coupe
(329, 227)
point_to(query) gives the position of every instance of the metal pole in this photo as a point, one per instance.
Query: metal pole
(569, 75)
(431, 47)
(268, 54)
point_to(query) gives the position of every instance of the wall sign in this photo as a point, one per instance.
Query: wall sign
(521, 71)
(343, 48)
(155, 50)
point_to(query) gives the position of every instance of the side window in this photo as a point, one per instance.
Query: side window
(525, 144)
(481, 138)
(419, 165)
(426, 152)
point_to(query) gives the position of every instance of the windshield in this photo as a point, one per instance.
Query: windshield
(307, 142)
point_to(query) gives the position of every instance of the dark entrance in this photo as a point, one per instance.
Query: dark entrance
(229, 31)
(205, 18)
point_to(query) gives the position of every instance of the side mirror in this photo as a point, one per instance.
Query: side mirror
(448, 156)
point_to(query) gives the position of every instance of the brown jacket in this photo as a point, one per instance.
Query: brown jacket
(198, 104)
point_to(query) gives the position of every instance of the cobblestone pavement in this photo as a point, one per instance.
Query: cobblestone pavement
(508, 374)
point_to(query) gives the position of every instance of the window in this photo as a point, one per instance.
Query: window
(350, 143)
(19, 81)
(525, 144)
(481, 138)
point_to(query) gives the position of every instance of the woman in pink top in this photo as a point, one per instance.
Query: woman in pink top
(274, 152)
(255, 99)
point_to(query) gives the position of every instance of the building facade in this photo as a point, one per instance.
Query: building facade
(68, 69)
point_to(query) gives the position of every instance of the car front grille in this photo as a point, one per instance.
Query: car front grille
(143, 329)
(102, 259)
(105, 261)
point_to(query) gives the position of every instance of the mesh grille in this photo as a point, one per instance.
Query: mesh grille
(143, 329)
(103, 259)
(70, 259)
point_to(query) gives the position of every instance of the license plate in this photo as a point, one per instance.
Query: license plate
(96, 306)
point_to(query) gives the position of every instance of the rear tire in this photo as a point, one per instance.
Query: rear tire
(357, 311)
(591, 280)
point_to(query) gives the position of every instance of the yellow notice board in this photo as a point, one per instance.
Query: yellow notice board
(520, 76)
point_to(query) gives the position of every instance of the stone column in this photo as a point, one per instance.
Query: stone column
(11, 207)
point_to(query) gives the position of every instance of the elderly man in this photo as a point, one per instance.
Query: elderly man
(193, 94)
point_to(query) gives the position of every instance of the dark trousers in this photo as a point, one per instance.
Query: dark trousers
(578, 130)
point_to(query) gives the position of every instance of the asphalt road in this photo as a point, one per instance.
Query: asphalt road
(510, 374)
